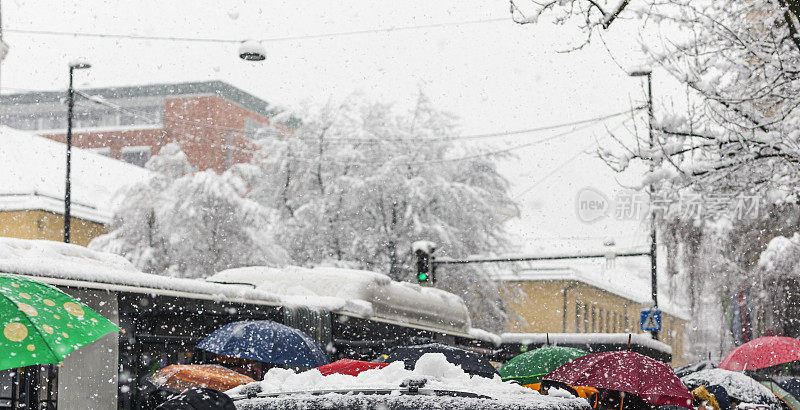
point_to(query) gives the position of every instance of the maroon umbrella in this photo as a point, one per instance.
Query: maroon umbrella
(762, 352)
(626, 371)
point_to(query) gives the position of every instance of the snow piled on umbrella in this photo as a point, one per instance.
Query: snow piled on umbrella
(738, 385)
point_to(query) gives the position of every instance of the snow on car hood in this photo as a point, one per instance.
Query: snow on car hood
(433, 367)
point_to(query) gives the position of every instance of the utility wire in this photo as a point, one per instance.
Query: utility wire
(562, 165)
(315, 160)
(265, 40)
(368, 140)
(457, 159)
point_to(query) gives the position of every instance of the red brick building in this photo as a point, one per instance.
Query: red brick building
(215, 123)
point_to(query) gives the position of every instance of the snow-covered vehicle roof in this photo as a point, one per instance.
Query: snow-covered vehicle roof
(387, 299)
(33, 170)
(358, 293)
(434, 383)
(570, 339)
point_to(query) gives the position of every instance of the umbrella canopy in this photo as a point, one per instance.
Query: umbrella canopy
(738, 385)
(762, 352)
(779, 391)
(265, 341)
(179, 377)
(529, 367)
(41, 324)
(472, 363)
(350, 367)
(694, 367)
(626, 371)
(792, 385)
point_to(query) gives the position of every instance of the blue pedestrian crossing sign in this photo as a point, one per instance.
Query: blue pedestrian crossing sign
(651, 320)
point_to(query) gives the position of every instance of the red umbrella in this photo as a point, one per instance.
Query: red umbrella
(626, 371)
(762, 352)
(349, 366)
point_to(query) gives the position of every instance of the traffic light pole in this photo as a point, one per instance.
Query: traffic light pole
(541, 257)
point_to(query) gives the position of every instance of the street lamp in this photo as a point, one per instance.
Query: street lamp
(646, 72)
(73, 65)
(252, 51)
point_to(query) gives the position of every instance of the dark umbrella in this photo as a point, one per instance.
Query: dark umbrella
(628, 372)
(265, 341)
(471, 363)
(694, 367)
(777, 390)
(199, 399)
(792, 385)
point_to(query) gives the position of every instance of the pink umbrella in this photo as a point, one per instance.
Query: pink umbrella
(626, 371)
(762, 352)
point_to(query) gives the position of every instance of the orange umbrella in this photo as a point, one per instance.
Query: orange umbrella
(179, 377)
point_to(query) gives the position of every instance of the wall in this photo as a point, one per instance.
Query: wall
(89, 374)
(48, 226)
(538, 307)
(205, 145)
(115, 140)
(221, 123)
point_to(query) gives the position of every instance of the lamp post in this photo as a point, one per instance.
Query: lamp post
(74, 65)
(646, 72)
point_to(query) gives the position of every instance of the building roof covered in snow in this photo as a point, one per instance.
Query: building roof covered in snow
(219, 88)
(34, 170)
(627, 277)
(351, 292)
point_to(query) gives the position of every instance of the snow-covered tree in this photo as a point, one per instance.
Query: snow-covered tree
(739, 62)
(359, 183)
(192, 224)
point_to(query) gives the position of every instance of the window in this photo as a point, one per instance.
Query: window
(615, 324)
(601, 322)
(594, 317)
(138, 155)
(586, 318)
(578, 316)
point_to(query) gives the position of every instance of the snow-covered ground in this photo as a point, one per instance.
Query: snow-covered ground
(437, 372)
(33, 169)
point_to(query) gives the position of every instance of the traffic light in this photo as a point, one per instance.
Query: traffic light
(423, 251)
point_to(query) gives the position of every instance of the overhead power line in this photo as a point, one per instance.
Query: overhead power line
(585, 124)
(254, 133)
(558, 167)
(236, 41)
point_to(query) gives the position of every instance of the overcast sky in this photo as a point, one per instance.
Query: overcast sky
(495, 76)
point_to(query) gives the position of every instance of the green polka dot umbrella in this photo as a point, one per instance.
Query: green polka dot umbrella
(41, 324)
